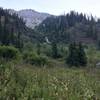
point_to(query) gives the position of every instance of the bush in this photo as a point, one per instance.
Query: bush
(34, 59)
(8, 52)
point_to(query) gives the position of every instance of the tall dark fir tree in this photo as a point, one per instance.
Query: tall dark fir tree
(54, 50)
(72, 57)
(76, 55)
(82, 55)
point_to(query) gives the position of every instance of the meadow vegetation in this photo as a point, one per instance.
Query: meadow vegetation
(41, 77)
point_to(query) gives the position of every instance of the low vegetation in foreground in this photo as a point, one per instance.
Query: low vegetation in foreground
(49, 75)
(25, 82)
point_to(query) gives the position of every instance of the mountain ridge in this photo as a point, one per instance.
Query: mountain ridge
(31, 17)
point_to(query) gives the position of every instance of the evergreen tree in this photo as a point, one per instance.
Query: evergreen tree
(81, 55)
(38, 48)
(5, 34)
(0, 31)
(18, 42)
(76, 55)
(12, 38)
(98, 45)
(58, 28)
(54, 50)
(72, 58)
(12, 28)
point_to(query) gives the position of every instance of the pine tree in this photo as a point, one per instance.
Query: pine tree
(54, 50)
(12, 38)
(5, 34)
(82, 59)
(98, 45)
(19, 41)
(72, 58)
(38, 48)
(0, 31)
(76, 55)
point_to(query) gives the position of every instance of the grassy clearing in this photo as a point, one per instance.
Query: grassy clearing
(32, 83)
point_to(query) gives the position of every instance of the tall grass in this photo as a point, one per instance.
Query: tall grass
(31, 83)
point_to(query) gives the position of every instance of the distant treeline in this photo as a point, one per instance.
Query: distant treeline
(71, 27)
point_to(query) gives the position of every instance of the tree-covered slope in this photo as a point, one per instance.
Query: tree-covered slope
(71, 27)
(13, 30)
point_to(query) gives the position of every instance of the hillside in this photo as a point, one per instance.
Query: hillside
(31, 17)
(67, 28)
(13, 30)
(71, 27)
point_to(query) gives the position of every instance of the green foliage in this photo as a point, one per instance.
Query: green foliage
(72, 58)
(98, 45)
(8, 53)
(26, 83)
(28, 47)
(34, 59)
(93, 56)
(38, 48)
(82, 56)
(13, 30)
(71, 27)
(63, 50)
(47, 50)
(76, 55)
(55, 52)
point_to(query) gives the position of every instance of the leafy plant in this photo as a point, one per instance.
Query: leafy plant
(8, 52)
(34, 59)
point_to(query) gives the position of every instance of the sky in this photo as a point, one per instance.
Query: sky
(55, 7)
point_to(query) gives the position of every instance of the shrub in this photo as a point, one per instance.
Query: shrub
(34, 59)
(8, 52)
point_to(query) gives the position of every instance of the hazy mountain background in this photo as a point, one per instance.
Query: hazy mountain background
(31, 17)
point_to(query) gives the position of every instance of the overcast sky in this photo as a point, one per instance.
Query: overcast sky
(55, 7)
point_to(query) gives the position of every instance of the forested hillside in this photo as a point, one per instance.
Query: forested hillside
(71, 27)
(13, 30)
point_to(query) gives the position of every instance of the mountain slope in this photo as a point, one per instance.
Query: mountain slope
(71, 27)
(13, 30)
(31, 17)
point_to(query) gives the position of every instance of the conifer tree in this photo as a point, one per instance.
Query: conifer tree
(54, 50)
(82, 55)
(72, 58)
(0, 31)
(76, 55)
(38, 48)
(98, 45)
